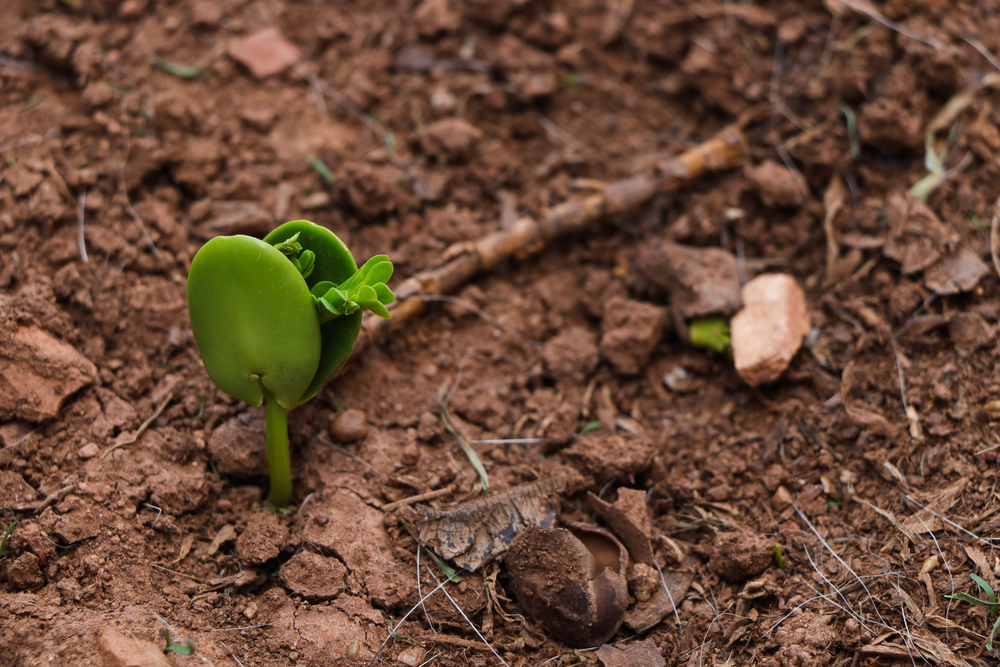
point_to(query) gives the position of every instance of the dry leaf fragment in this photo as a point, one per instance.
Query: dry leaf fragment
(629, 520)
(226, 533)
(472, 533)
(185, 549)
(926, 520)
(645, 615)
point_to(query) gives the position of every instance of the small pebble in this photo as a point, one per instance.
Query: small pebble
(349, 426)
(88, 451)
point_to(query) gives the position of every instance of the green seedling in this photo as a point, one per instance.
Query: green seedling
(779, 559)
(180, 648)
(6, 536)
(590, 427)
(276, 319)
(992, 604)
(711, 332)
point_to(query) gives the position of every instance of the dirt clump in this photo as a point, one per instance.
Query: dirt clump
(630, 330)
(262, 539)
(312, 576)
(740, 555)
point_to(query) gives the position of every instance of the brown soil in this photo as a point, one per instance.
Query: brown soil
(487, 110)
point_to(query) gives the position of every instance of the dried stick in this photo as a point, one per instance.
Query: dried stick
(528, 236)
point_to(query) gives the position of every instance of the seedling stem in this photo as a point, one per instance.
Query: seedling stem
(278, 458)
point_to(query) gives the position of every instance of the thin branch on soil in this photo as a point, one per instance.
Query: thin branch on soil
(462, 261)
(979, 46)
(82, 199)
(995, 236)
(559, 133)
(159, 513)
(430, 495)
(244, 627)
(864, 8)
(670, 596)
(440, 586)
(471, 624)
(128, 440)
(420, 593)
(950, 522)
(127, 203)
(232, 654)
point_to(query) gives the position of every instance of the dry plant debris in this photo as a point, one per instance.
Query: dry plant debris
(474, 532)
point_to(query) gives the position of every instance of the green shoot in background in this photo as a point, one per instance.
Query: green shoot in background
(992, 604)
(711, 332)
(276, 319)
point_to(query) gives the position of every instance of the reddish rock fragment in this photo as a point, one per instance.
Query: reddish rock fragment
(451, 139)
(37, 373)
(117, 650)
(349, 426)
(969, 332)
(607, 456)
(777, 185)
(24, 574)
(239, 447)
(631, 330)
(740, 555)
(14, 491)
(769, 329)
(701, 281)
(264, 53)
(572, 353)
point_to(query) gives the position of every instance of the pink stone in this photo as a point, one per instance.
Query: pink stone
(768, 330)
(265, 53)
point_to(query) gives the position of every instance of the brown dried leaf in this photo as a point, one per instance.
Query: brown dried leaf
(645, 615)
(926, 520)
(225, 534)
(472, 533)
(629, 520)
(636, 654)
(186, 545)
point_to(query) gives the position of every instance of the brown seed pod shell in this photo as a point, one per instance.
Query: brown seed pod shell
(572, 580)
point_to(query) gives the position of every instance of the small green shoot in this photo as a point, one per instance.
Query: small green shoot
(6, 536)
(276, 319)
(215, 470)
(444, 567)
(321, 169)
(569, 80)
(778, 558)
(11, 161)
(34, 100)
(201, 406)
(712, 333)
(978, 224)
(183, 71)
(852, 130)
(115, 87)
(388, 138)
(590, 427)
(180, 648)
(992, 604)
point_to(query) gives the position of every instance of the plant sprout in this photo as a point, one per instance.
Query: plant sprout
(276, 319)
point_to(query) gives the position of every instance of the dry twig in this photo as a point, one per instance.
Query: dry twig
(527, 236)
